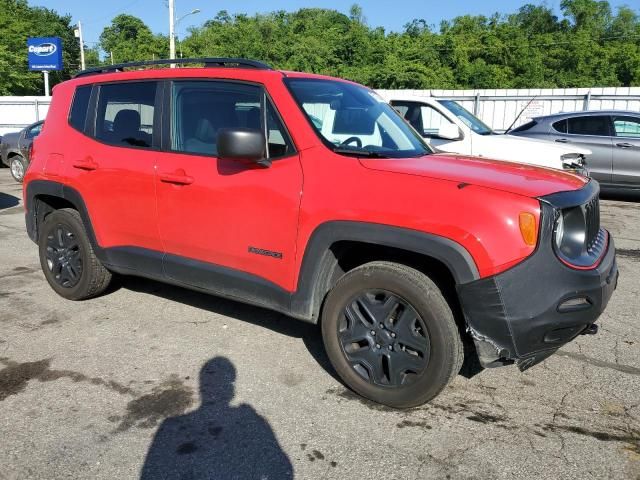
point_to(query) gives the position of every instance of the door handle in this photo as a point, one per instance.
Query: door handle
(86, 164)
(177, 178)
(624, 145)
(562, 140)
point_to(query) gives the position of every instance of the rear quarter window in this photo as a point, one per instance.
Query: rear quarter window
(560, 126)
(79, 108)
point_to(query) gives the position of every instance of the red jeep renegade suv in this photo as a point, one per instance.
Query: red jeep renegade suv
(311, 196)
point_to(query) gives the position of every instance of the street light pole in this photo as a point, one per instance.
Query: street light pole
(172, 35)
(78, 33)
(172, 28)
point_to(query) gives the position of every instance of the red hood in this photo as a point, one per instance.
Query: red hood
(511, 177)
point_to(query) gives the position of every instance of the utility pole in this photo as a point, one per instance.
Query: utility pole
(172, 33)
(78, 34)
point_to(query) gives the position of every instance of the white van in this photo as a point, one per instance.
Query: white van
(449, 127)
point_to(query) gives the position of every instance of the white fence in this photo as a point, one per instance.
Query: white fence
(18, 112)
(497, 108)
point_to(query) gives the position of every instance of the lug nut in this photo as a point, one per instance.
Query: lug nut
(390, 347)
(373, 332)
(393, 335)
(377, 345)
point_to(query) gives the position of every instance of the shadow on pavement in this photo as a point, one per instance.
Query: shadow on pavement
(216, 441)
(8, 201)
(309, 333)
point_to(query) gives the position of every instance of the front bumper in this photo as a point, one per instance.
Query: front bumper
(526, 313)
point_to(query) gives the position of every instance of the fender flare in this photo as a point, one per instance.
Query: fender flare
(317, 260)
(62, 191)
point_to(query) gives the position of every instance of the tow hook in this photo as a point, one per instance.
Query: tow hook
(590, 330)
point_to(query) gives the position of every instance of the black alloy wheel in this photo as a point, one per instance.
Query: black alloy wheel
(384, 339)
(390, 334)
(64, 258)
(67, 258)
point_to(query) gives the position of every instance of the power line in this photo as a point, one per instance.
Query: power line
(112, 14)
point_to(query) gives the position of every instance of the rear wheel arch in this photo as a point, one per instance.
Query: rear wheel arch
(44, 197)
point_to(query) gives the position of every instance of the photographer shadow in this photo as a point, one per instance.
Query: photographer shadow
(216, 441)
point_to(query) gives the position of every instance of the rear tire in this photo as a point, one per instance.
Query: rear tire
(391, 335)
(67, 257)
(18, 167)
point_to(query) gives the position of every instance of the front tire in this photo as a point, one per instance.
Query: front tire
(391, 335)
(18, 168)
(67, 257)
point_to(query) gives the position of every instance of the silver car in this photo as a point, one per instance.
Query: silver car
(613, 137)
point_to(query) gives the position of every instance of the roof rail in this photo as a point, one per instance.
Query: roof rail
(208, 62)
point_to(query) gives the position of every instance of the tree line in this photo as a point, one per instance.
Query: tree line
(587, 44)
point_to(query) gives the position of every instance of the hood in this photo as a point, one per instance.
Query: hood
(539, 145)
(517, 178)
(10, 136)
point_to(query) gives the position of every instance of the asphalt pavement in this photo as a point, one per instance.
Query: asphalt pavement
(153, 381)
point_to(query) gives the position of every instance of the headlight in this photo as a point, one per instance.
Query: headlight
(570, 232)
(558, 231)
(571, 160)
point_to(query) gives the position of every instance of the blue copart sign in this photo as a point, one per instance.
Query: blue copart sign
(45, 53)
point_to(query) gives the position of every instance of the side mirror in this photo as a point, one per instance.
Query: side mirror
(242, 144)
(449, 131)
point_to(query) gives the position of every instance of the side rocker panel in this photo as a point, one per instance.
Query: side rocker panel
(316, 266)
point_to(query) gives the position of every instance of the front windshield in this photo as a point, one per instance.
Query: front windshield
(352, 119)
(466, 117)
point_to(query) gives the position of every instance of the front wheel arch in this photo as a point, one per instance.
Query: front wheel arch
(327, 256)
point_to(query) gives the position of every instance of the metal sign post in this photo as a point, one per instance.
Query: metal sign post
(45, 55)
(46, 83)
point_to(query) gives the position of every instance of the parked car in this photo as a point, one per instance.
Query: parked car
(612, 136)
(311, 196)
(15, 149)
(449, 127)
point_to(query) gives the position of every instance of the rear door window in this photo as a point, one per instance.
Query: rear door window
(594, 125)
(125, 114)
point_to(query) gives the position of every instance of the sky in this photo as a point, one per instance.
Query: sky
(96, 14)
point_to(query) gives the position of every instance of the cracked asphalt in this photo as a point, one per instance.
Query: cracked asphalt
(152, 381)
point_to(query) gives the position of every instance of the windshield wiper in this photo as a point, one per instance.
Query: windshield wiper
(359, 153)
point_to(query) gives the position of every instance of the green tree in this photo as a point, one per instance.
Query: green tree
(130, 39)
(18, 21)
(587, 44)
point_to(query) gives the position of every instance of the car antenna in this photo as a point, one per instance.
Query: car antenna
(520, 114)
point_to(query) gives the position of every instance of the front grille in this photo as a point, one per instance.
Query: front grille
(592, 220)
